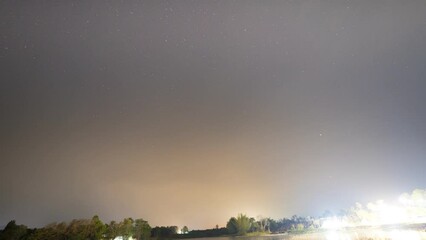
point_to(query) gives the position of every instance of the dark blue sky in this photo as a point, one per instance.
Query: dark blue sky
(189, 112)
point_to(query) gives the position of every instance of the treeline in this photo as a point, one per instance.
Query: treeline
(215, 232)
(164, 232)
(242, 225)
(82, 229)
(95, 229)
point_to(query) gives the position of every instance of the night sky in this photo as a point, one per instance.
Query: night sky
(190, 112)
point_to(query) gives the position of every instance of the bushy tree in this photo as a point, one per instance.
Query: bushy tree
(79, 229)
(243, 224)
(126, 228)
(263, 224)
(273, 225)
(232, 225)
(142, 230)
(97, 228)
(254, 226)
(240, 225)
(112, 230)
(12, 231)
(49, 232)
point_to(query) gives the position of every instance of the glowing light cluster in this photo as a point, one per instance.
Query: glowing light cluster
(410, 208)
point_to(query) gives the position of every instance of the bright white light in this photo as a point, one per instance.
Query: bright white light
(387, 214)
(334, 223)
(122, 238)
(405, 235)
(332, 235)
(335, 235)
(410, 208)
